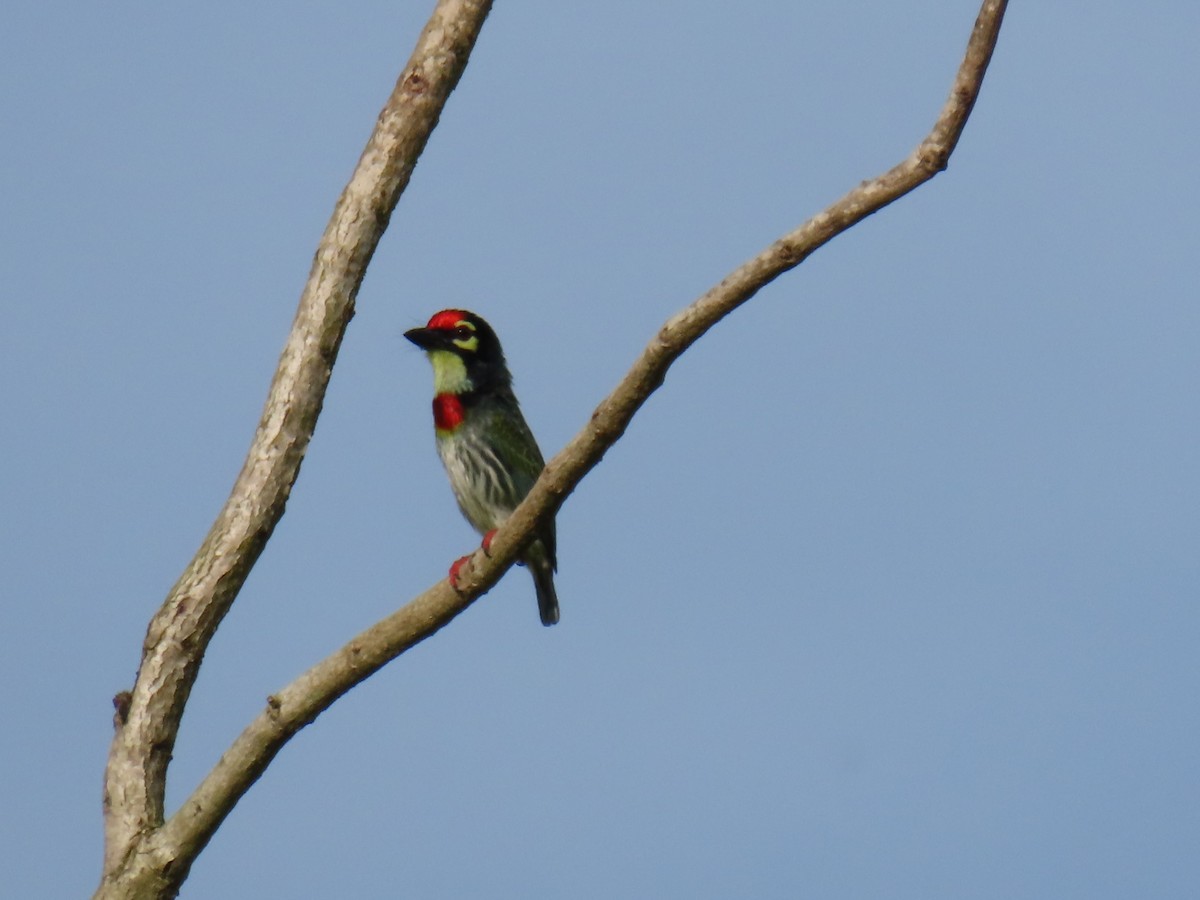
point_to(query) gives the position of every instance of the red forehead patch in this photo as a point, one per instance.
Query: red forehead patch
(446, 319)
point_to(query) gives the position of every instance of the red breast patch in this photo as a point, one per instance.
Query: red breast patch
(447, 412)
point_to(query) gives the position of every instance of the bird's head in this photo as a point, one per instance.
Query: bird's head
(464, 351)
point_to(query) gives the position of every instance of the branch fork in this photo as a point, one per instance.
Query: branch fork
(149, 856)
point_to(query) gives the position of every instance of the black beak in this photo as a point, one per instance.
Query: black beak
(425, 338)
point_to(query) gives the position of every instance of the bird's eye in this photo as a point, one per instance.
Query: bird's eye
(462, 332)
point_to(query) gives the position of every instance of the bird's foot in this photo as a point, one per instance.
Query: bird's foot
(458, 563)
(454, 568)
(487, 542)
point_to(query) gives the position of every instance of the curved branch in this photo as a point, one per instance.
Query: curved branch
(148, 717)
(304, 699)
(610, 419)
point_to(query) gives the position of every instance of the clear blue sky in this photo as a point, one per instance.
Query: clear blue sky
(891, 591)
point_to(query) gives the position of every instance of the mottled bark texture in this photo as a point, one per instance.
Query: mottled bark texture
(143, 858)
(147, 857)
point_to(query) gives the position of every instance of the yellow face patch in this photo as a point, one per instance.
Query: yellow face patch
(449, 372)
(468, 342)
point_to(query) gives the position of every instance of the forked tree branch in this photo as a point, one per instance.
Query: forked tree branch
(195, 606)
(136, 862)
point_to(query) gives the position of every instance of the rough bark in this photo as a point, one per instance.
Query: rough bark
(147, 857)
(137, 862)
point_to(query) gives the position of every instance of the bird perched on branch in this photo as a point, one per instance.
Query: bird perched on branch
(488, 451)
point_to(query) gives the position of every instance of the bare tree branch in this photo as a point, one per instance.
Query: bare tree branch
(610, 419)
(148, 716)
(145, 857)
(304, 699)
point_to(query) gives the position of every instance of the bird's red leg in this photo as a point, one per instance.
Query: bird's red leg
(458, 563)
(487, 542)
(454, 567)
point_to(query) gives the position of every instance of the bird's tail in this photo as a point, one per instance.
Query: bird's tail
(542, 570)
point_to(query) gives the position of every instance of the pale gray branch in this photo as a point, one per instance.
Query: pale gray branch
(314, 691)
(147, 858)
(149, 715)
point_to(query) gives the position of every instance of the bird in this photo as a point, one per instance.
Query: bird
(483, 440)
